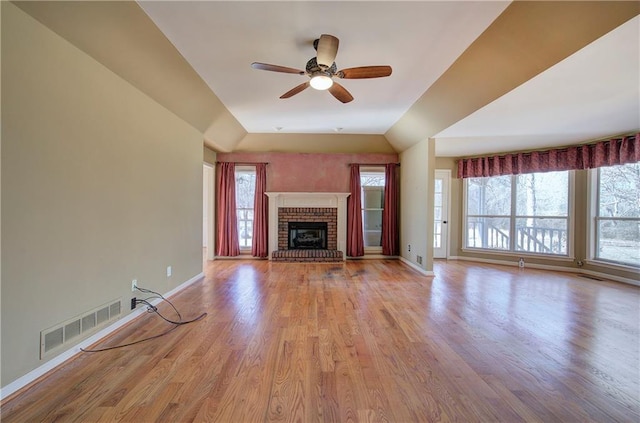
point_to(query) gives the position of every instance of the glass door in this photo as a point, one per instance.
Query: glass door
(441, 214)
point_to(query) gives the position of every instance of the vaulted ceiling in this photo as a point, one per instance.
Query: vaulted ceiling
(477, 76)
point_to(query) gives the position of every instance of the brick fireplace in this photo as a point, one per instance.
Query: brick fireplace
(327, 215)
(329, 208)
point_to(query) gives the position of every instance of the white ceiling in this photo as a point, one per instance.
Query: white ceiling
(592, 94)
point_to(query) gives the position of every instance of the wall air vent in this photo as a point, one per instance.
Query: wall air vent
(77, 328)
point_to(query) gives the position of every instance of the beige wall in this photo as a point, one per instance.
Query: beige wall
(315, 143)
(209, 156)
(416, 209)
(100, 185)
(580, 230)
(147, 60)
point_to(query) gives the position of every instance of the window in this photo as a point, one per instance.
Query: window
(372, 183)
(519, 213)
(617, 214)
(245, 193)
(437, 214)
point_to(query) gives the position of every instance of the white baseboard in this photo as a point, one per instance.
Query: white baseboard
(551, 267)
(183, 285)
(372, 257)
(416, 267)
(240, 257)
(40, 371)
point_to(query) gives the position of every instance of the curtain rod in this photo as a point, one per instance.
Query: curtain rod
(372, 164)
(246, 163)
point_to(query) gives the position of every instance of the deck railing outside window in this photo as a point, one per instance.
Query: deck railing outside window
(533, 239)
(519, 213)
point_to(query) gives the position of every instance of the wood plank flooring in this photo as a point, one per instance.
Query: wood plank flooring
(363, 341)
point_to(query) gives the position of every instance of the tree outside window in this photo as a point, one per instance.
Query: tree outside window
(489, 213)
(617, 220)
(542, 207)
(523, 213)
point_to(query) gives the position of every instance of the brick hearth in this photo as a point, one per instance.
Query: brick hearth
(307, 255)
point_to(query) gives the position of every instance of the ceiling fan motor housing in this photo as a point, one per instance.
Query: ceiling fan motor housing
(314, 68)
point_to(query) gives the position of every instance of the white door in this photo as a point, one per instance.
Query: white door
(441, 214)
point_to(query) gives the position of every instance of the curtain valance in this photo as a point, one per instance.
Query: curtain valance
(604, 153)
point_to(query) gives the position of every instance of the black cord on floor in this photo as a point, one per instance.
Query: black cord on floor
(152, 309)
(130, 343)
(157, 295)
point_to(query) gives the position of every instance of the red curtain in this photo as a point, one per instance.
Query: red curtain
(227, 224)
(604, 153)
(390, 234)
(259, 246)
(355, 239)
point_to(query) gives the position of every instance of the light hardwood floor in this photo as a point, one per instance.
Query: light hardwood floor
(364, 341)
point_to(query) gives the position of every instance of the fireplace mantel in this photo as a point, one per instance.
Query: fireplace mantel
(307, 199)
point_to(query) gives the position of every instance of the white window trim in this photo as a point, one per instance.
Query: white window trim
(245, 168)
(507, 253)
(569, 256)
(371, 169)
(612, 265)
(593, 201)
(571, 214)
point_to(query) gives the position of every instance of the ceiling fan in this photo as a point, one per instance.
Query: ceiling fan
(322, 68)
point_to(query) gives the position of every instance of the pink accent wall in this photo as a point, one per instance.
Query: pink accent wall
(308, 172)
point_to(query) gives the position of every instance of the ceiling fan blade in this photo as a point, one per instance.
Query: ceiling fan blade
(295, 90)
(340, 92)
(327, 50)
(364, 72)
(276, 68)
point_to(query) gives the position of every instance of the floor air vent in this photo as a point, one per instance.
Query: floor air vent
(78, 327)
(593, 278)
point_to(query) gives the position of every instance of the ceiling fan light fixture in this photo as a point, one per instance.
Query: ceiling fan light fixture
(321, 81)
(322, 68)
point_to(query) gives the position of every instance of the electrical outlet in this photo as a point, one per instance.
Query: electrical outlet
(133, 303)
(169, 271)
(134, 284)
(419, 259)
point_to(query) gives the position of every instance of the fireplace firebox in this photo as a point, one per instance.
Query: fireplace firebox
(307, 235)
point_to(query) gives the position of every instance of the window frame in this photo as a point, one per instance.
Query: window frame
(244, 169)
(464, 231)
(513, 217)
(376, 249)
(593, 217)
